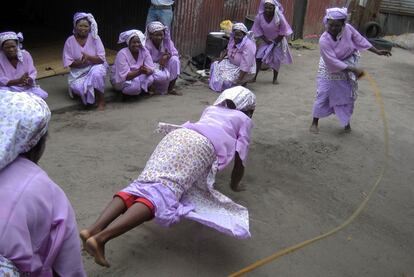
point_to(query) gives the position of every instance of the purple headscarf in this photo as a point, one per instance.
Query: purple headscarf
(335, 14)
(90, 18)
(156, 26)
(17, 37)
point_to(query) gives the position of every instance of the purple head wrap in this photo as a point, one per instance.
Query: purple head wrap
(17, 37)
(90, 18)
(335, 14)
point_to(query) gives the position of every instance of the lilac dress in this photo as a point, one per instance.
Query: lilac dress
(9, 72)
(272, 54)
(124, 63)
(163, 76)
(38, 231)
(180, 175)
(84, 81)
(337, 88)
(240, 57)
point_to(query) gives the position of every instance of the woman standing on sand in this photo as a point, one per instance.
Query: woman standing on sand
(338, 74)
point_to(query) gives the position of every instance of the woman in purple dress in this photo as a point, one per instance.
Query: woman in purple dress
(237, 66)
(38, 232)
(84, 54)
(338, 72)
(165, 56)
(132, 72)
(178, 179)
(17, 71)
(271, 29)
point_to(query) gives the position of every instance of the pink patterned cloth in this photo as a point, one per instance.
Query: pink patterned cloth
(38, 231)
(124, 63)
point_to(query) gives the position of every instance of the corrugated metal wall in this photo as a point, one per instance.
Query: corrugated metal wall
(315, 13)
(402, 7)
(397, 16)
(194, 19)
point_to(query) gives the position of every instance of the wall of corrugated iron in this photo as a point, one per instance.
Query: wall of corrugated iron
(194, 19)
(402, 7)
(315, 13)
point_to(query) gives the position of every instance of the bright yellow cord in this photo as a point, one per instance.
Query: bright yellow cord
(355, 214)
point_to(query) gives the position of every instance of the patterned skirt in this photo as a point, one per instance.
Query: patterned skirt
(179, 180)
(7, 268)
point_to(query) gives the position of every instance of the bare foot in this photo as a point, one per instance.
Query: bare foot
(84, 235)
(96, 250)
(275, 82)
(347, 129)
(101, 107)
(174, 92)
(237, 188)
(314, 129)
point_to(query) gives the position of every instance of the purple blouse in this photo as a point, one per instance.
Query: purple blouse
(9, 72)
(334, 52)
(243, 54)
(73, 50)
(269, 29)
(125, 62)
(38, 231)
(156, 53)
(228, 130)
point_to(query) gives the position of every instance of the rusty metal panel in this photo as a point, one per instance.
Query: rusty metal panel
(194, 19)
(315, 13)
(288, 7)
(402, 7)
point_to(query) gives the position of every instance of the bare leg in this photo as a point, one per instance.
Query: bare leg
(134, 216)
(314, 127)
(100, 99)
(258, 66)
(275, 73)
(114, 209)
(171, 89)
(347, 128)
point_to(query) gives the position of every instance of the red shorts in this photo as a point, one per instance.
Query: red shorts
(130, 199)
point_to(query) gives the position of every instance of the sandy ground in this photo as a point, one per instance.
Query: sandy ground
(298, 184)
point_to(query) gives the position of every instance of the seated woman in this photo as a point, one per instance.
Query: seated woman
(38, 232)
(178, 180)
(238, 65)
(17, 72)
(271, 29)
(165, 56)
(84, 54)
(133, 69)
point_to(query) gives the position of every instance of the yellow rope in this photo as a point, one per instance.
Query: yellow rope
(355, 213)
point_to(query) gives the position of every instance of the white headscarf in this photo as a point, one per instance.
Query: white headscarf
(24, 119)
(242, 97)
(277, 5)
(90, 18)
(17, 37)
(128, 35)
